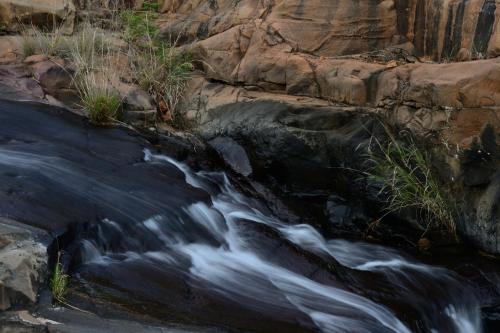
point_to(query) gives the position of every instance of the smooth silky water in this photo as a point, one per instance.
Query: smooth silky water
(148, 235)
(214, 247)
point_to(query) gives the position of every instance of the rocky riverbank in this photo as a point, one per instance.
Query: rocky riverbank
(303, 88)
(291, 94)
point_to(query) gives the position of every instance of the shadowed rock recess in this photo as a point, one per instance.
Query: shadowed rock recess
(299, 85)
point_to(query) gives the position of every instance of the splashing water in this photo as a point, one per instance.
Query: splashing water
(223, 255)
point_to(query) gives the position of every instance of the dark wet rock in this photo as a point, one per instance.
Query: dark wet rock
(302, 148)
(33, 182)
(140, 118)
(305, 153)
(308, 152)
(61, 320)
(482, 159)
(344, 217)
(233, 154)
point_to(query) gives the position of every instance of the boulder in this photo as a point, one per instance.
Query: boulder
(9, 48)
(16, 82)
(233, 154)
(56, 80)
(471, 84)
(138, 106)
(42, 13)
(23, 263)
(134, 98)
(35, 58)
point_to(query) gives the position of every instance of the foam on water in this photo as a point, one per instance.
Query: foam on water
(223, 258)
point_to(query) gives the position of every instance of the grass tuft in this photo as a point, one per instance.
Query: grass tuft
(35, 41)
(59, 283)
(158, 67)
(406, 178)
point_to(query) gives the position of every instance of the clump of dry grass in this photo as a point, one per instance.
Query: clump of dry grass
(89, 51)
(87, 47)
(164, 72)
(95, 74)
(158, 67)
(99, 98)
(35, 41)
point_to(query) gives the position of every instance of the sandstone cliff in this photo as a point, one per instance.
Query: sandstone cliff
(297, 82)
(436, 28)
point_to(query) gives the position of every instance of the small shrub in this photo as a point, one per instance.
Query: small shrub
(163, 71)
(59, 282)
(158, 67)
(407, 179)
(139, 27)
(151, 5)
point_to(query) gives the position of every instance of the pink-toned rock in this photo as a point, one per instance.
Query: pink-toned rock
(460, 85)
(436, 29)
(56, 80)
(9, 48)
(15, 13)
(347, 81)
(35, 58)
(300, 77)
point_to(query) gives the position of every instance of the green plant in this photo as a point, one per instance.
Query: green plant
(158, 67)
(163, 71)
(59, 282)
(151, 5)
(139, 26)
(98, 96)
(28, 45)
(408, 182)
(35, 41)
(88, 49)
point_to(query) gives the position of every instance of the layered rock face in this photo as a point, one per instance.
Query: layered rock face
(437, 28)
(315, 48)
(297, 84)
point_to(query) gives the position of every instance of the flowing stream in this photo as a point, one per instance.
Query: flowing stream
(221, 254)
(150, 234)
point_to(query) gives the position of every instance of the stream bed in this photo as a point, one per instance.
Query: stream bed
(191, 246)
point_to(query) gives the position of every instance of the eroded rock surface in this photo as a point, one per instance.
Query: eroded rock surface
(298, 85)
(340, 27)
(44, 13)
(23, 263)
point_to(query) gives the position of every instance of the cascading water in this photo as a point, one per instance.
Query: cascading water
(223, 247)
